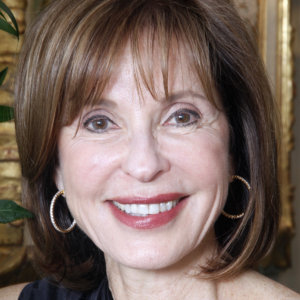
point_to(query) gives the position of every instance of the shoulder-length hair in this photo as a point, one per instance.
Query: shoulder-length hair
(68, 57)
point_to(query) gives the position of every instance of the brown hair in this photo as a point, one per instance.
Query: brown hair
(67, 59)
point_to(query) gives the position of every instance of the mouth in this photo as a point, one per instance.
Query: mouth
(148, 212)
(145, 209)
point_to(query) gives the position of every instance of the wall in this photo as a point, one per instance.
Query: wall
(11, 235)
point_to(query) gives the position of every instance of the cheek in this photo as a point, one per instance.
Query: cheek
(204, 157)
(85, 169)
(87, 165)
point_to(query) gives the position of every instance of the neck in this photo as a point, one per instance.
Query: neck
(179, 281)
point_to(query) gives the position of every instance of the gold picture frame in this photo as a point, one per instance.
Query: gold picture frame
(272, 21)
(275, 48)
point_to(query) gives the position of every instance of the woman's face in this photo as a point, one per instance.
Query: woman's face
(146, 179)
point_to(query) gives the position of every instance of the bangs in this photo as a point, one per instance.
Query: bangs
(154, 32)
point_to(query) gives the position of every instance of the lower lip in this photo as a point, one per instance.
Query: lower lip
(150, 221)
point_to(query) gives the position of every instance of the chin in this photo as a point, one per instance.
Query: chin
(148, 259)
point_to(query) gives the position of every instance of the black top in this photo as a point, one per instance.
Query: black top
(44, 290)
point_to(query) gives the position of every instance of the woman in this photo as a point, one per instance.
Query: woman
(147, 138)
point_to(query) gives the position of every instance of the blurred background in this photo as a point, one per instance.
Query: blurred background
(291, 277)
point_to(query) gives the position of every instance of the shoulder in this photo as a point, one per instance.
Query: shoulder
(44, 289)
(47, 290)
(37, 290)
(252, 285)
(11, 292)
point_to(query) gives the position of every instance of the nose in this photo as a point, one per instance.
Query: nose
(144, 160)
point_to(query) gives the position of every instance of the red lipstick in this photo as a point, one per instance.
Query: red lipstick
(149, 221)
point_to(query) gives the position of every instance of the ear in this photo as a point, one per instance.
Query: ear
(58, 179)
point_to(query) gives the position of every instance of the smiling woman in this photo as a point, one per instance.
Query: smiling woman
(158, 153)
(147, 139)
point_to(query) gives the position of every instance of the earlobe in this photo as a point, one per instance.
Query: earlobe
(58, 179)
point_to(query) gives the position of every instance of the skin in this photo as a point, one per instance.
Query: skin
(148, 147)
(133, 145)
(144, 152)
(130, 145)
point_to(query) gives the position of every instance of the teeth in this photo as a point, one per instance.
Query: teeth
(134, 208)
(162, 207)
(142, 209)
(169, 205)
(127, 208)
(146, 209)
(153, 209)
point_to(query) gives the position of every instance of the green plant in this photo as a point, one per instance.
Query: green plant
(6, 112)
(9, 210)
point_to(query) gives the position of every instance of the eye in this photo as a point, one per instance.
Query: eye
(183, 117)
(99, 124)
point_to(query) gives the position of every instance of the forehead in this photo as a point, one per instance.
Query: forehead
(152, 74)
(156, 68)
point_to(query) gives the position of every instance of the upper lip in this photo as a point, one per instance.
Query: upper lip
(149, 200)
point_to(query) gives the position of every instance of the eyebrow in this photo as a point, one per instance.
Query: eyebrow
(109, 103)
(106, 102)
(175, 96)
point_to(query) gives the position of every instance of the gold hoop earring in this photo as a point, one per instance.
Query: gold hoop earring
(57, 228)
(247, 184)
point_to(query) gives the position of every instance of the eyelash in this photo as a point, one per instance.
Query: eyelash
(191, 114)
(91, 123)
(88, 124)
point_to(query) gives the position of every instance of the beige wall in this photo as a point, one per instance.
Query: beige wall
(291, 277)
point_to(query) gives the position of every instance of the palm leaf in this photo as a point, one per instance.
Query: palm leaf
(2, 15)
(4, 25)
(6, 113)
(10, 211)
(2, 75)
